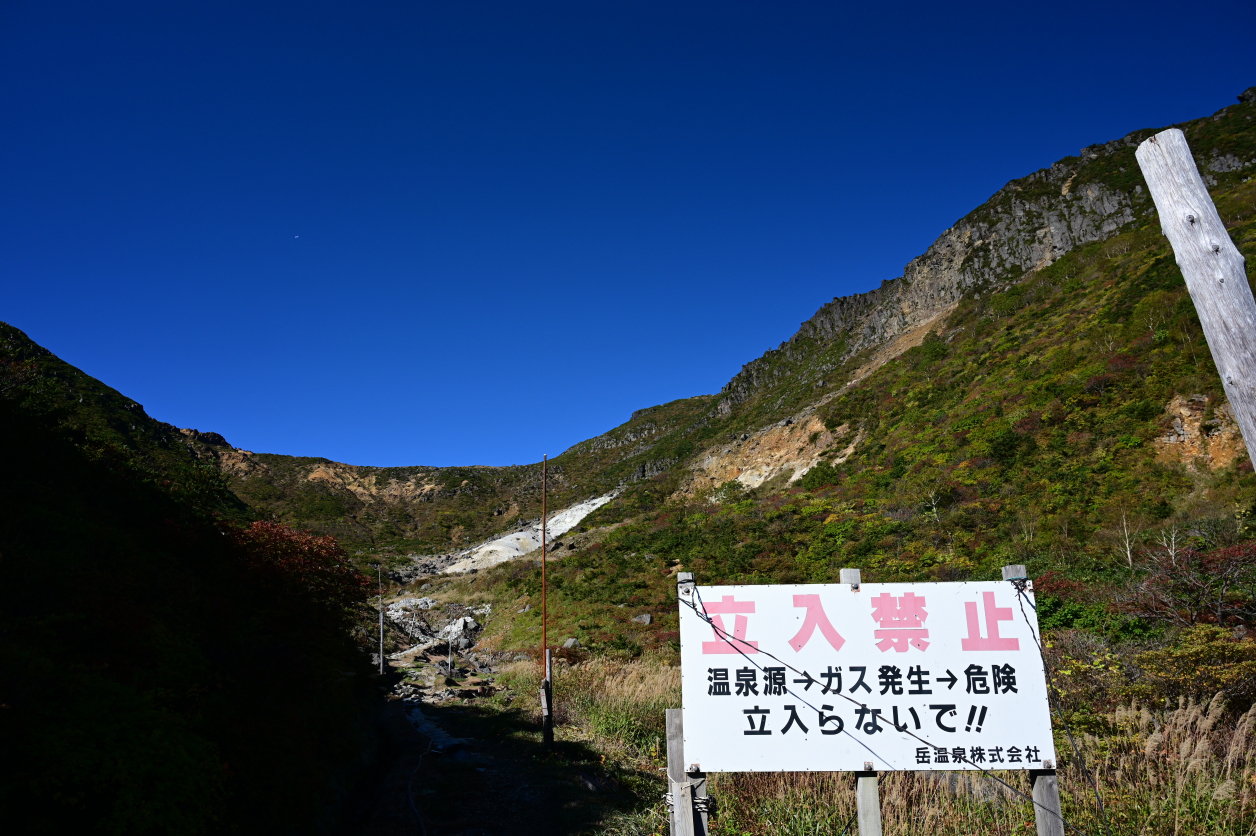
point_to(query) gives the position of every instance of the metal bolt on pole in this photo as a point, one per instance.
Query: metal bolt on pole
(850, 576)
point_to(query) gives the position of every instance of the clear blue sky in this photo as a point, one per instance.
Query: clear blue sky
(473, 233)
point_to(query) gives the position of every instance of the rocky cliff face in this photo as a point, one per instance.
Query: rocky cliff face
(1025, 226)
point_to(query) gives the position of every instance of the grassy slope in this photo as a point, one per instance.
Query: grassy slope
(1019, 433)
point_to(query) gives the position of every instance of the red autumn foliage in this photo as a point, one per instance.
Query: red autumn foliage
(1122, 363)
(1184, 586)
(316, 565)
(1058, 586)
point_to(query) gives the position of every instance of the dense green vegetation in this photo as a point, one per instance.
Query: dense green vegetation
(151, 645)
(1025, 429)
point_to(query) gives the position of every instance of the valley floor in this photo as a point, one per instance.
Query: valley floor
(465, 758)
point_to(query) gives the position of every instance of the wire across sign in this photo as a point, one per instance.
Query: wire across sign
(842, 677)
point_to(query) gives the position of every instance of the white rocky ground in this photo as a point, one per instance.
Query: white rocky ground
(527, 540)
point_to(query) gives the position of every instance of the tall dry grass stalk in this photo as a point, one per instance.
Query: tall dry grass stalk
(1189, 770)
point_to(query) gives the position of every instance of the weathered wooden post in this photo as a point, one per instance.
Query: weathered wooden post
(547, 701)
(685, 782)
(868, 802)
(1046, 792)
(677, 781)
(1048, 815)
(1212, 266)
(867, 796)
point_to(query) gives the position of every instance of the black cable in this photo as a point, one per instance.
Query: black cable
(1056, 702)
(702, 614)
(854, 816)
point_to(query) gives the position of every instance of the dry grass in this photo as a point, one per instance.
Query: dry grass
(618, 703)
(1162, 772)
(1184, 771)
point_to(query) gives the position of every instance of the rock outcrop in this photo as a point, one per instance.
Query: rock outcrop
(1201, 438)
(1027, 225)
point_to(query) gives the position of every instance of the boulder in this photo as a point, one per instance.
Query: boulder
(644, 618)
(571, 644)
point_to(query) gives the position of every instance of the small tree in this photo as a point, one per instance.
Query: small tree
(1184, 586)
(315, 566)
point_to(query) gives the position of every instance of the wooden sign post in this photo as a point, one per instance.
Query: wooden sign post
(686, 785)
(1214, 270)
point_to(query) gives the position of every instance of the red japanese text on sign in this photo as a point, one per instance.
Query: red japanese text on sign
(815, 618)
(727, 606)
(902, 620)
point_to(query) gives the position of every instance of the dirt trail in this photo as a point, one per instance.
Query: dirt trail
(481, 770)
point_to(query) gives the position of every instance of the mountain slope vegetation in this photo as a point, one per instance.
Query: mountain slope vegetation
(1053, 230)
(1068, 419)
(151, 633)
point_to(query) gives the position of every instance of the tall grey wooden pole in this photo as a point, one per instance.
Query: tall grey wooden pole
(1212, 266)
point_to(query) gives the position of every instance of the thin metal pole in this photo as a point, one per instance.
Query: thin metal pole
(380, 571)
(544, 613)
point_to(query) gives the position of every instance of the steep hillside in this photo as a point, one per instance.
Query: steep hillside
(1064, 418)
(149, 641)
(1022, 229)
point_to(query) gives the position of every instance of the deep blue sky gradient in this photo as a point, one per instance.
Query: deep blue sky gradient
(472, 233)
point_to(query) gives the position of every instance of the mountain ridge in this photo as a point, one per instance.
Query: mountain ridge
(1020, 231)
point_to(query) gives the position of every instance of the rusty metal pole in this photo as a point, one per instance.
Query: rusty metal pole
(547, 659)
(544, 637)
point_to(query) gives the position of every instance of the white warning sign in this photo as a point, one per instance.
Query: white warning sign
(900, 676)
